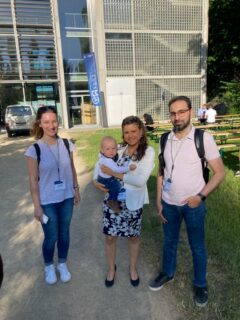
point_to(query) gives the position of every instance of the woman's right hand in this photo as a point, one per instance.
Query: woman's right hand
(100, 186)
(38, 213)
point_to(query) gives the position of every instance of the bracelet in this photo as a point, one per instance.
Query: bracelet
(76, 187)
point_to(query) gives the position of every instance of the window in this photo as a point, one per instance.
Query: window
(118, 36)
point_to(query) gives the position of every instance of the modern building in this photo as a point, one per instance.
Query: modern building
(147, 51)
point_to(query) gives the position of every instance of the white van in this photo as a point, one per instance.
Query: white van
(19, 118)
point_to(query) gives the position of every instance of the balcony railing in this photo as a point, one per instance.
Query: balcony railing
(76, 21)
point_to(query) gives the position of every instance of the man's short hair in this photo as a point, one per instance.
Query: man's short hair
(180, 98)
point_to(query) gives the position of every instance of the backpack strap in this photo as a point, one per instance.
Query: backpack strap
(163, 141)
(198, 139)
(66, 142)
(38, 152)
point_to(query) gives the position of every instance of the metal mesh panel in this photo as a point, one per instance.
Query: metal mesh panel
(119, 57)
(164, 54)
(117, 14)
(167, 54)
(152, 95)
(168, 14)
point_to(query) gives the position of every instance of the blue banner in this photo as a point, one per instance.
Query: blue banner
(90, 65)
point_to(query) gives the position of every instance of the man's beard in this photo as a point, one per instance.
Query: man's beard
(181, 126)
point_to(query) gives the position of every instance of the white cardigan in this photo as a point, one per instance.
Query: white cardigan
(135, 182)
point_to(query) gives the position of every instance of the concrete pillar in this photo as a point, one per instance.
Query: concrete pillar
(17, 48)
(205, 8)
(59, 60)
(98, 46)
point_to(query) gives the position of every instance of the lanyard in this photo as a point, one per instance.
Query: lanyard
(56, 159)
(175, 156)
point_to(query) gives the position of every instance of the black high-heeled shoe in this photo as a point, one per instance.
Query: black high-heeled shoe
(110, 283)
(135, 282)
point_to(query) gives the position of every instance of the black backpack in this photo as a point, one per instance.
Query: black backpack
(198, 139)
(38, 150)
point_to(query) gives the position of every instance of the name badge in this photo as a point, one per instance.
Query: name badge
(59, 185)
(167, 185)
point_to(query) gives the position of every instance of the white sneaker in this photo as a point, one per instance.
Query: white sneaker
(50, 274)
(65, 275)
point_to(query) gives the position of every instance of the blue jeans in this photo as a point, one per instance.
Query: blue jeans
(113, 185)
(194, 220)
(57, 230)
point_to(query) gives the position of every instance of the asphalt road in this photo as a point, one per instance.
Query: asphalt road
(24, 294)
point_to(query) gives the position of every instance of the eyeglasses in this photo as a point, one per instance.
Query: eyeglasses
(178, 113)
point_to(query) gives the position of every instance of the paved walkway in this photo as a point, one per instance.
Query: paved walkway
(24, 294)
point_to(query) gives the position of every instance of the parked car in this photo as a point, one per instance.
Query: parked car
(19, 118)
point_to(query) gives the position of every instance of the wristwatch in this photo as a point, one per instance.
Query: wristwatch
(202, 196)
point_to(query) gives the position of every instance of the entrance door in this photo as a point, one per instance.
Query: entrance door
(74, 104)
(81, 110)
(88, 111)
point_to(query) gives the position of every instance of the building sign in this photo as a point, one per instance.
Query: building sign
(90, 64)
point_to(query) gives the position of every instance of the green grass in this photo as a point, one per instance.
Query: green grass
(88, 144)
(222, 236)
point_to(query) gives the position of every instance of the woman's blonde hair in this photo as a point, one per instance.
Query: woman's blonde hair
(37, 131)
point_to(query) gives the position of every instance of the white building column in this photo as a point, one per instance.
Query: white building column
(59, 61)
(17, 48)
(98, 46)
(204, 51)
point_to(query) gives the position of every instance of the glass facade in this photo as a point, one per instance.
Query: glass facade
(34, 29)
(6, 23)
(76, 40)
(157, 45)
(38, 57)
(162, 52)
(9, 94)
(28, 69)
(42, 91)
(8, 58)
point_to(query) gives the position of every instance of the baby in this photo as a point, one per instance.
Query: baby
(108, 157)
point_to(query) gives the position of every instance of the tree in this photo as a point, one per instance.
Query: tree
(231, 95)
(224, 45)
